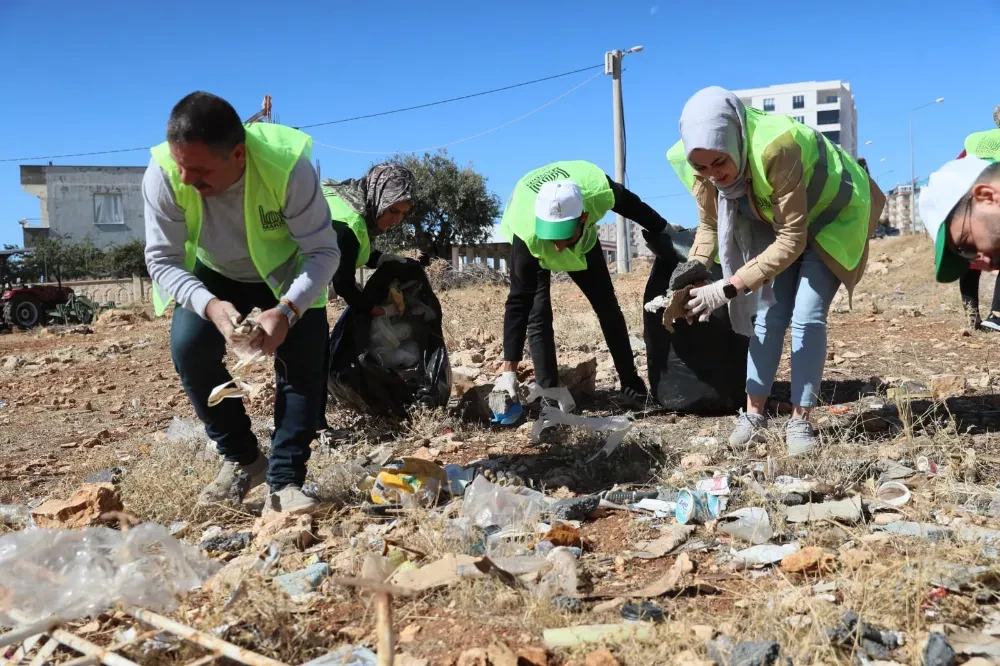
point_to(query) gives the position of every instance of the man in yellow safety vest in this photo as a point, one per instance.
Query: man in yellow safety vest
(236, 220)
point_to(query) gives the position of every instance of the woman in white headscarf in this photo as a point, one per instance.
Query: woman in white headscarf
(789, 214)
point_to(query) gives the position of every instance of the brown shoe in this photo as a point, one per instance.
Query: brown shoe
(289, 499)
(233, 482)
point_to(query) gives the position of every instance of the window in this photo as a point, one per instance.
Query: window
(800, 119)
(828, 117)
(831, 99)
(769, 104)
(798, 101)
(833, 135)
(108, 208)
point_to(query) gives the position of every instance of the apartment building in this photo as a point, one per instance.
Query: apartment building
(827, 106)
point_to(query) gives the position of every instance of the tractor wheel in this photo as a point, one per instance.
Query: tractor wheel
(22, 311)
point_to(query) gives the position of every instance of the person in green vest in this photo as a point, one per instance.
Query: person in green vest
(236, 220)
(551, 222)
(985, 145)
(790, 214)
(361, 210)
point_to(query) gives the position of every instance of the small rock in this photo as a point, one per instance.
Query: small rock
(303, 581)
(227, 543)
(947, 386)
(463, 380)
(580, 377)
(83, 509)
(285, 529)
(938, 652)
(575, 508)
(473, 657)
(91, 442)
(601, 657)
(690, 658)
(694, 460)
(501, 655)
(855, 557)
(408, 634)
(811, 559)
(532, 656)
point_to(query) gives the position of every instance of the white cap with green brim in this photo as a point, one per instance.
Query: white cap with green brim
(944, 190)
(558, 208)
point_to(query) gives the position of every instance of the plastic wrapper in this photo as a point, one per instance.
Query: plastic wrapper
(77, 573)
(411, 482)
(488, 504)
(616, 427)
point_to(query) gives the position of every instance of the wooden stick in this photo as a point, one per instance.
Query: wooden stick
(383, 629)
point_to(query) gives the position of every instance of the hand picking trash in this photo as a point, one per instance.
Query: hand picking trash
(245, 342)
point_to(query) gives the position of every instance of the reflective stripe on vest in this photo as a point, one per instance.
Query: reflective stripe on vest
(848, 204)
(341, 211)
(519, 215)
(984, 145)
(272, 152)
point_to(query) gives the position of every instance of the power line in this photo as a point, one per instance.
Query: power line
(468, 138)
(452, 99)
(330, 122)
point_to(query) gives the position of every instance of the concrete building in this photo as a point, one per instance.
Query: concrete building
(103, 203)
(897, 208)
(827, 106)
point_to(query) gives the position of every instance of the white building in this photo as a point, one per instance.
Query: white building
(102, 203)
(827, 106)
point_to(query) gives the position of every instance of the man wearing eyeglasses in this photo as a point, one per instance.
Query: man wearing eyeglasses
(960, 208)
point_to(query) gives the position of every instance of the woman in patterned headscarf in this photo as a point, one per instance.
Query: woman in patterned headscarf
(360, 210)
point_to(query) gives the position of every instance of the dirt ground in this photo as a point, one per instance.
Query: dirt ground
(77, 401)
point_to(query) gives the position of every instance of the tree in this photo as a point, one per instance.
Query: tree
(453, 206)
(126, 260)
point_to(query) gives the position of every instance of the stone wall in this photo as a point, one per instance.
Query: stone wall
(134, 291)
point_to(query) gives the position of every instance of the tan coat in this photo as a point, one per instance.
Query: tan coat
(783, 166)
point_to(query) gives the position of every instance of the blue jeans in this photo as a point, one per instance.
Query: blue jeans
(802, 294)
(198, 350)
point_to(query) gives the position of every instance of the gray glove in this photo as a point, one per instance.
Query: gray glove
(707, 299)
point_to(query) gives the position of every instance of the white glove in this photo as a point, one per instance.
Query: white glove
(707, 299)
(385, 256)
(508, 384)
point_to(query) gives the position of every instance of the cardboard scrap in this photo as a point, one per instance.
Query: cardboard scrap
(848, 510)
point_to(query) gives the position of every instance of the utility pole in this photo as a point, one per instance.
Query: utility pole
(613, 68)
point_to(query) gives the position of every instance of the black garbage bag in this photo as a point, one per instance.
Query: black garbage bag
(700, 368)
(382, 365)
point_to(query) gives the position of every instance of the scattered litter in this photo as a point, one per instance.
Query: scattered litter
(616, 427)
(749, 524)
(928, 531)
(303, 581)
(763, 554)
(848, 510)
(725, 653)
(346, 656)
(567, 637)
(645, 611)
(575, 508)
(717, 485)
(411, 482)
(70, 574)
(855, 635)
(488, 504)
(893, 493)
(696, 507)
(663, 545)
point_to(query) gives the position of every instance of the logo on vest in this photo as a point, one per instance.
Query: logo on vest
(536, 183)
(270, 220)
(763, 203)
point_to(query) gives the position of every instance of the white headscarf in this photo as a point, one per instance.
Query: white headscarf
(715, 119)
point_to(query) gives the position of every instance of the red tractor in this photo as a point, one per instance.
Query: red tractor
(26, 305)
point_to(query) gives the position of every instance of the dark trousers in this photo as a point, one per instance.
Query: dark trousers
(198, 350)
(968, 286)
(529, 314)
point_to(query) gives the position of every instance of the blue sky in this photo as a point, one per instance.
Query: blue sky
(77, 79)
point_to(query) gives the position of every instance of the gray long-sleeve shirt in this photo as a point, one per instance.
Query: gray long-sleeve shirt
(223, 241)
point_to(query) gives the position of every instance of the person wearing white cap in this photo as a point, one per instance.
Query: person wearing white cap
(960, 208)
(985, 145)
(551, 222)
